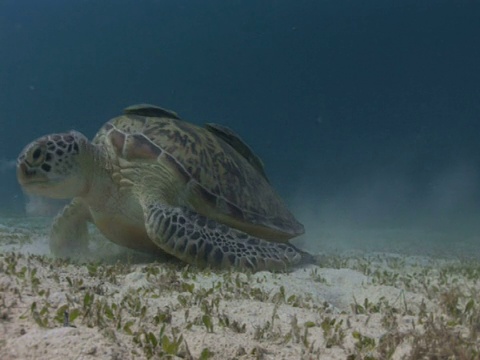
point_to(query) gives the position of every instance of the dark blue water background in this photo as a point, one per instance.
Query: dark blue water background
(366, 113)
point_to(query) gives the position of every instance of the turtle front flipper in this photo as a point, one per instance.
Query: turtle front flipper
(199, 240)
(69, 232)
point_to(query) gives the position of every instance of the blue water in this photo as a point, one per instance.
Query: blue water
(366, 113)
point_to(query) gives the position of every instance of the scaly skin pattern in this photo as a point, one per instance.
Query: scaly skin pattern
(202, 241)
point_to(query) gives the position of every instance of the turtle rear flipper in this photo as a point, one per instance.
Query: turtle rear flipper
(199, 240)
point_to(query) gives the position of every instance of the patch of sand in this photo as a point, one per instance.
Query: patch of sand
(123, 305)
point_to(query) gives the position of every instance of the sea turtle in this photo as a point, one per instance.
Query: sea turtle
(153, 182)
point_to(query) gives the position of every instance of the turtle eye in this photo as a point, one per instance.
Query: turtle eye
(37, 155)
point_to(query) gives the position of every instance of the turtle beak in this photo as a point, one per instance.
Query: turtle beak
(28, 177)
(23, 174)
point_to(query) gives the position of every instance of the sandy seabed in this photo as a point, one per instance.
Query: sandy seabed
(123, 305)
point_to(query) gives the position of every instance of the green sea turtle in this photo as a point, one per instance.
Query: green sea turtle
(153, 182)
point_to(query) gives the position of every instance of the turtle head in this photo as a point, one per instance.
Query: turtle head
(51, 166)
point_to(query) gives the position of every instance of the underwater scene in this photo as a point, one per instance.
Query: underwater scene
(239, 179)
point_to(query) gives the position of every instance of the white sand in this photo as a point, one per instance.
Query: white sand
(127, 306)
